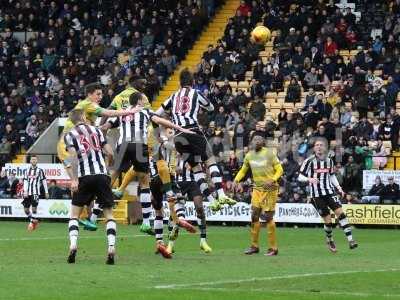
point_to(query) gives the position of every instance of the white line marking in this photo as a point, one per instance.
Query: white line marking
(288, 276)
(355, 294)
(66, 237)
(80, 237)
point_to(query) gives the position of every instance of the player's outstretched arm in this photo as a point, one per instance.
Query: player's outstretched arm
(169, 124)
(118, 113)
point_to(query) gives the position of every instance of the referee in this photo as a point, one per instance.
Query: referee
(318, 171)
(34, 180)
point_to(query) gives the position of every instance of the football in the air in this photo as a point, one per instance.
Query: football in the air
(260, 35)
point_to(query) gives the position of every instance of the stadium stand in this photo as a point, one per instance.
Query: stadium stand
(49, 50)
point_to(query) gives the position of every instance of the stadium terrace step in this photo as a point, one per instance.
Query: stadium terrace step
(210, 35)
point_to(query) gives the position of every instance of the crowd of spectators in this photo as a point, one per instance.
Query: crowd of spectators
(350, 100)
(49, 50)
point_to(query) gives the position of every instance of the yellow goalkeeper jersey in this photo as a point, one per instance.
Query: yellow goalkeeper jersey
(264, 165)
(92, 111)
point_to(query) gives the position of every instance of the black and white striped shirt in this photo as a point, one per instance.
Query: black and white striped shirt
(133, 128)
(321, 170)
(184, 106)
(88, 142)
(184, 173)
(33, 180)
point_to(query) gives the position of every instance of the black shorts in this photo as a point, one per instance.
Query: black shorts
(136, 155)
(190, 189)
(94, 186)
(32, 200)
(156, 188)
(193, 147)
(324, 203)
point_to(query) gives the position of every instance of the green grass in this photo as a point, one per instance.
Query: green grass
(33, 266)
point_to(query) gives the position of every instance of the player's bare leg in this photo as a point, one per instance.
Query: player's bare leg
(271, 232)
(344, 224)
(255, 231)
(111, 232)
(201, 221)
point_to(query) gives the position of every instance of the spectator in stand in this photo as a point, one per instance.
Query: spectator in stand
(293, 93)
(351, 176)
(391, 192)
(375, 193)
(55, 192)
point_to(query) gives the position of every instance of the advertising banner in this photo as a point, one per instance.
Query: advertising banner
(47, 209)
(51, 171)
(373, 214)
(370, 175)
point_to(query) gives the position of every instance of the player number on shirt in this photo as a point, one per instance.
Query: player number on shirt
(182, 105)
(336, 199)
(92, 143)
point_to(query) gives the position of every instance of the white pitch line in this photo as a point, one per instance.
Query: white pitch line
(298, 292)
(65, 237)
(288, 276)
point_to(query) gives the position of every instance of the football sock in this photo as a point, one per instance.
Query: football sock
(165, 176)
(200, 179)
(128, 177)
(180, 210)
(202, 226)
(344, 223)
(328, 232)
(73, 230)
(255, 232)
(158, 228)
(145, 201)
(173, 217)
(111, 231)
(95, 213)
(216, 179)
(271, 232)
(170, 224)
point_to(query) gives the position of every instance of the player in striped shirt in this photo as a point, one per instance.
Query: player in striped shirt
(133, 146)
(266, 171)
(34, 180)
(167, 153)
(184, 106)
(90, 154)
(92, 110)
(190, 189)
(318, 171)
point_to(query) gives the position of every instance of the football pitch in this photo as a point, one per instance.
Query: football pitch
(33, 266)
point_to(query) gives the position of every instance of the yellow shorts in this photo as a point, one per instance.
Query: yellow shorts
(62, 152)
(266, 200)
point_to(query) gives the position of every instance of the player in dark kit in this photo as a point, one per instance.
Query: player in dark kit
(34, 179)
(87, 148)
(318, 171)
(184, 106)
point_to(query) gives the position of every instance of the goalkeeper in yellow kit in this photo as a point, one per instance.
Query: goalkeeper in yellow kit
(266, 171)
